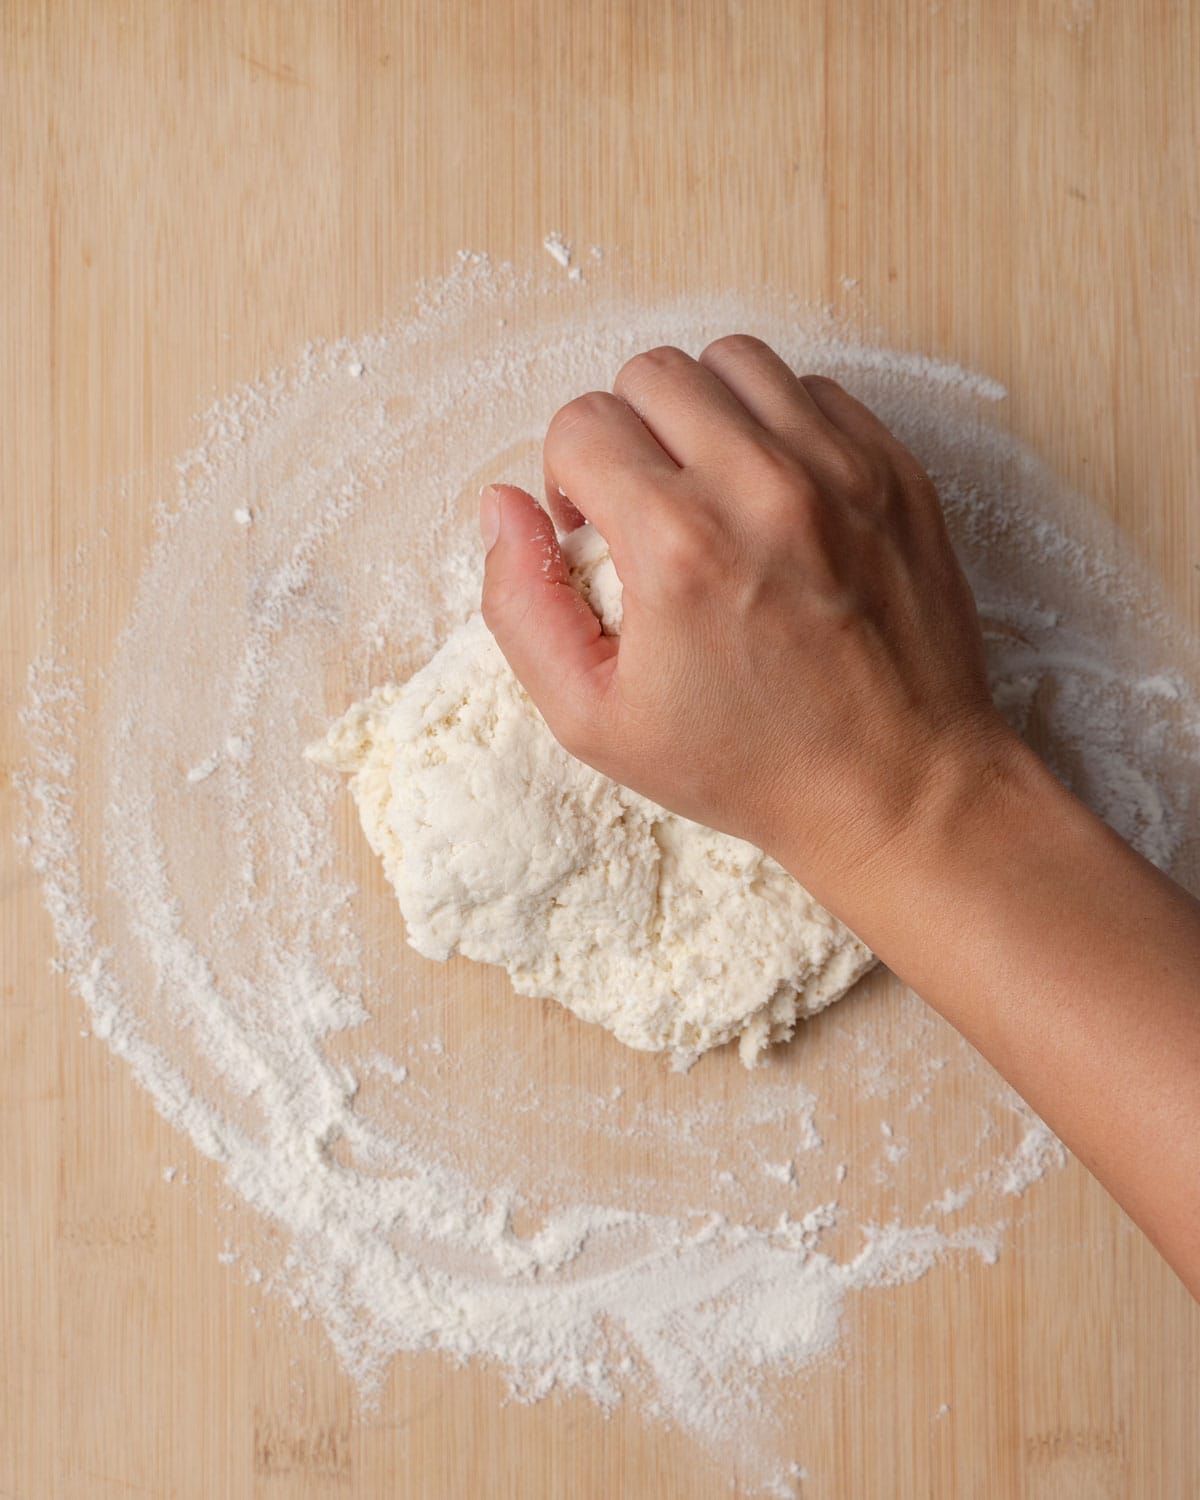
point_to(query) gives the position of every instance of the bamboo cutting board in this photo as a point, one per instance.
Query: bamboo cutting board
(190, 193)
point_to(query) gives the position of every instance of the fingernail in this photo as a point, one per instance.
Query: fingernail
(489, 516)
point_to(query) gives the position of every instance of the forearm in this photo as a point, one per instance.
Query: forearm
(1071, 963)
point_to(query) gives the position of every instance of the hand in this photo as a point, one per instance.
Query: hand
(800, 663)
(800, 654)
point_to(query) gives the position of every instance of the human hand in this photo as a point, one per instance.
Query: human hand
(800, 657)
(800, 663)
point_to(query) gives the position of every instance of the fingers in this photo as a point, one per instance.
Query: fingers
(769, 390)
(845, 412)
(868, 434)
(613, 458)
(833, 432)
(551, 639)
(603, 457)
(616, 459)
(693, 414)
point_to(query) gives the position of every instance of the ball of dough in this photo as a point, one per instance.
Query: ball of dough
(504, 848)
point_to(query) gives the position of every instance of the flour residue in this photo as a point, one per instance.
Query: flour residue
(430, 1174)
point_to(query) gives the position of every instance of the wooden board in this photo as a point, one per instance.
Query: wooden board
(192, 191)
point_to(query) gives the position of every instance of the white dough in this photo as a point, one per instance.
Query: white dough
(504, 848)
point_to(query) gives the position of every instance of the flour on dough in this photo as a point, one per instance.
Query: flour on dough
(504, 848)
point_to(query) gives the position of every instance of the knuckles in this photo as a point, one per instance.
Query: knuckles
(734, 346)
(794, 526)
(589, 409)
(690, 551)
(856, 479)
(821, 384)
(784, 491)
(649, 366)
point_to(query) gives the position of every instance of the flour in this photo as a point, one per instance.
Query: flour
(1038, 1150)
(606, 1230)
(504, 848)
(557, 248)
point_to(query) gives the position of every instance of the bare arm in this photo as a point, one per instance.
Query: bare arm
(800, 664)
(1069, 961)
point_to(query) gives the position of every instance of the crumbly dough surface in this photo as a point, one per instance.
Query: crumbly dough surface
(504, 848)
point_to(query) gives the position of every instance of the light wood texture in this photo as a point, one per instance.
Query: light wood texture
(192, 191)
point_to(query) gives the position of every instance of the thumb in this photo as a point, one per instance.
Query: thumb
(549, 636)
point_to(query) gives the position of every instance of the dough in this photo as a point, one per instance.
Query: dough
(505, 849)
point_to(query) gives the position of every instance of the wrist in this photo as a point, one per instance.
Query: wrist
(952, 811)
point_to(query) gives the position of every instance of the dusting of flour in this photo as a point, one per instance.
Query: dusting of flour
(428, 1168)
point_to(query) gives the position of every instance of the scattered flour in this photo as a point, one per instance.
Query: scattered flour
(952, 1200)
(557, 248)
(1039, 1150)
(613, 1234)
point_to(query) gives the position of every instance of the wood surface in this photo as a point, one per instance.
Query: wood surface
(190, 192)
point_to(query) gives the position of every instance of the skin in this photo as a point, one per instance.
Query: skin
(800, 664)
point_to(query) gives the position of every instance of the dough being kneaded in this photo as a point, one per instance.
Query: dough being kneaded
(504, 848)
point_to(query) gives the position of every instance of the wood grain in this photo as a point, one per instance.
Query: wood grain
(190, 193)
